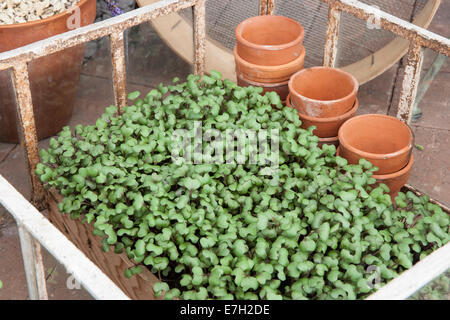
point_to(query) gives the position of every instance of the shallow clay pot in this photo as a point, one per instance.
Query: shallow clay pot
(281, 88)
(325, 127)
(54, 78)
(332, 140)
(383, 140)
(395, 181)
(323, 92)
(269, 40)
(269, 74)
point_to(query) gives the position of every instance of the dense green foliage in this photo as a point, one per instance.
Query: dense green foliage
(227, 231)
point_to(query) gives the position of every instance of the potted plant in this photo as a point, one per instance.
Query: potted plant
(54, 78)
(177, 220)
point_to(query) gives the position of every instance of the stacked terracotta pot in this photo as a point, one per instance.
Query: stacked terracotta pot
(384, 141)
(269, 50)
(325, 98)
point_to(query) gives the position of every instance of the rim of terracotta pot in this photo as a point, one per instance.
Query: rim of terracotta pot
(324, 120)
(377, 156)
(240, 38)
(261, 84)
(266, 68)
(397, 173)
(36, 22)
(330, 139)
(389, 175)
(301, 72)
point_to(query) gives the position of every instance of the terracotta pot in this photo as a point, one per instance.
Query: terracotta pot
(323, 92)
(325, 127)
(269, 74)
(332, 140)
(383, 140)
(54, 78)
(269, 40)
(395, 181)
(281, 88)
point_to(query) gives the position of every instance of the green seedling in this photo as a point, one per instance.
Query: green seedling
(216, 230)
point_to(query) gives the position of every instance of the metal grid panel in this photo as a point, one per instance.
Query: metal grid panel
(313, 16)
(356, 41)
(360, 38)
(222, 18)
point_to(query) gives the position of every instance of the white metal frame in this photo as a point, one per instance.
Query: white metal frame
(34, 230)
(410, 281)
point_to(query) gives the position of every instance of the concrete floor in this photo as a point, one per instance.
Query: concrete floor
(150, 61)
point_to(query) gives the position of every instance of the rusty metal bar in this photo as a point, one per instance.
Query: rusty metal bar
(28, 129)
(332, 36)
(393, 24)
(119, 69)
(262, 7)
(270, 6)
(411, 78)
(199, 37)
(91, 32)
(266, 7)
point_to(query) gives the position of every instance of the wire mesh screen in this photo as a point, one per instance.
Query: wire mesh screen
(357, 40)
(223, 16)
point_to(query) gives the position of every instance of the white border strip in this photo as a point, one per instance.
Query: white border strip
(83, 269)
(410, 281)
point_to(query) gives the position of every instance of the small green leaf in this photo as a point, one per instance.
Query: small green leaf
(159, 288)
(133, 95)
(249, 283)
